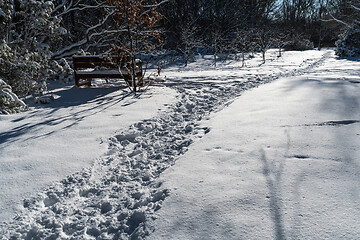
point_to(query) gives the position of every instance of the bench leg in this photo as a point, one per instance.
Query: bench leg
(78, 84)
(88, 83)
(140, 80)
(77, 81)
(127, 78)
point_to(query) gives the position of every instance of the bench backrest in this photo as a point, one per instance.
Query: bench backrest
(92, 61)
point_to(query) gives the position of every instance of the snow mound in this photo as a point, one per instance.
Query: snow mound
(9, 102)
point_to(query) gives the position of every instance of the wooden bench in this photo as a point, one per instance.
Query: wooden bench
(95, 66)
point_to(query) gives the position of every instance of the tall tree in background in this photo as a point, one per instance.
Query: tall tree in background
(209, 16)
(264, 39)
(243, 42)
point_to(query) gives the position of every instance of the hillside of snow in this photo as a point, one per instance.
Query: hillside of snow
(206, 155)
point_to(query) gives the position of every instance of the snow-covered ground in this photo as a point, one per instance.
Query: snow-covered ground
(52, 141)
(281, 161)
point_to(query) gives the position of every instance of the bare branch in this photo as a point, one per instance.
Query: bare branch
(81, 8)
(156, 5)
(336, 20)
(356, 8)
(85, 40)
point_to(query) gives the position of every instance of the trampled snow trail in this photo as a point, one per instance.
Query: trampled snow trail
(114, 198)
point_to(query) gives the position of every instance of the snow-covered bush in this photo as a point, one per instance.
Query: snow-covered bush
(61, 70)
(33, 26)
(349, 44)
(25, 71)
(298, 42)
(9, 102)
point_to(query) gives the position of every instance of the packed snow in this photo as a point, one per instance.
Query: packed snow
(205, 155)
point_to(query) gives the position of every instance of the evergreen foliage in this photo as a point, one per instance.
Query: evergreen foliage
(9, 102)
(298, 42)
(349, 44)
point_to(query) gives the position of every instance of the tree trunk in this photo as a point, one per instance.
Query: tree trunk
(319, 44)
(243, 59)
(263, 56)
(132, 60)
(132, 69)
(9, 33)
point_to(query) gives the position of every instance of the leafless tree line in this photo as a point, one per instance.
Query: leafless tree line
(41, 31)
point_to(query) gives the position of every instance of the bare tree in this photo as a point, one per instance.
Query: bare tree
(264, 40)
(189, 41)
(244, 41)
(136, 34)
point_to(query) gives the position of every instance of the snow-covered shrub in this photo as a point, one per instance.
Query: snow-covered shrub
(298, 43)
(9, 102)
(61, 70)
(34, 26)
(66, 67)
(349, 44)
(25, 71)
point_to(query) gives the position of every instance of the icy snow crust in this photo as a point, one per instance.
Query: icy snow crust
(117, 196)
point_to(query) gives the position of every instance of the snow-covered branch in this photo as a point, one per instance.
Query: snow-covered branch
(355, 7)
(81, 7)
(88, 36)
(157, 4)
(336, 20)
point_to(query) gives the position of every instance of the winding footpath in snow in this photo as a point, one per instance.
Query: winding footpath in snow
(116, 196)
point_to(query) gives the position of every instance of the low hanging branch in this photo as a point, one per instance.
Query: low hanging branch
(67, 51)
(337, 20)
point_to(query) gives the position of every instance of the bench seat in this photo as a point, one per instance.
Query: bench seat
(89, 67)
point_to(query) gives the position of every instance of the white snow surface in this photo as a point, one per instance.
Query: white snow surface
(281, 162)
(52, 141)
(205, 155)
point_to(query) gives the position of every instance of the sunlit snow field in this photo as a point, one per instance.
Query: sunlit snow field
(204, 155)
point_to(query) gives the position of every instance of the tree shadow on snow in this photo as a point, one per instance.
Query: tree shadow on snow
(84, 102)
(76, 96)
(353, 59)
(337, 97)
(341, 96)
(274, 181)
(204, 224)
